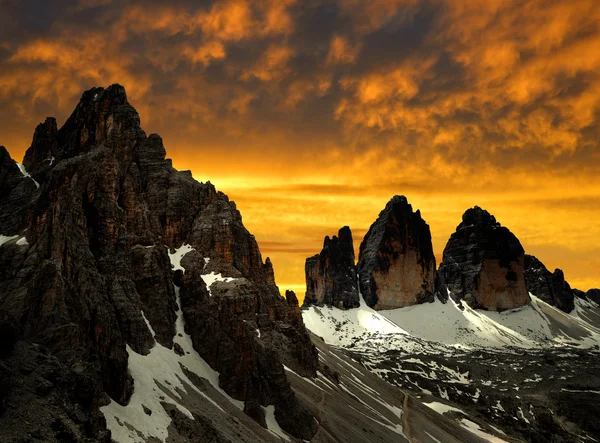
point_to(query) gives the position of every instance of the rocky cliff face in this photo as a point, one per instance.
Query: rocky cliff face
(331, 275)
(550, 287)
(483, 264)
(85, 274)
(396, 263)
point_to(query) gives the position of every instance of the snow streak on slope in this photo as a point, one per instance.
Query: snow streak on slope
(26, 174)
(159, 377)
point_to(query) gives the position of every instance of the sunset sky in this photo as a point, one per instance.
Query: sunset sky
(312, 114)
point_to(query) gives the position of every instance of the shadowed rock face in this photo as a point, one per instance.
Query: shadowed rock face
(594, 295)
(98, 229)
(331, 275)
(483, 264)
(591, 294)
(550, 287)
(396, 263)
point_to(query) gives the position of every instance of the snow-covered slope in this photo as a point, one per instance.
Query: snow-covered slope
(536, 325)
(492, 373)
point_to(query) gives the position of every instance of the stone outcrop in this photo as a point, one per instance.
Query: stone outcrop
(396, 263)
(331, 275)
(483, 264)
(91, 264)
(551, 287)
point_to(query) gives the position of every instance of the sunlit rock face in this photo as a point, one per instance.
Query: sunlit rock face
(549, 286)
(331, 275)
(396, 263)
(483, 264)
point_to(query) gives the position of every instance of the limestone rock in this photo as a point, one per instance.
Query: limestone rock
(331, 275)
(396, 262)
(483, 264)
(550, 287)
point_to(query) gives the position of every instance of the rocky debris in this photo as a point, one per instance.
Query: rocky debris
(94, 269)
(550, 287)
(483, 264)
(331, 275)
(396, 263)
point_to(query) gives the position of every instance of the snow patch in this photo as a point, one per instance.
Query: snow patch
(157, 378)
(272, 424)
(6, 238)
(176, 256)
(474, 428)
(442, 408)
(213, 277)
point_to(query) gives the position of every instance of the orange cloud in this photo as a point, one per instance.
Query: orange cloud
(341, 51)
(272, 65)
(313, 117)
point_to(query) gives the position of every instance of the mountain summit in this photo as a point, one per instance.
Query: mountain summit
(483, 263)
(111, 253)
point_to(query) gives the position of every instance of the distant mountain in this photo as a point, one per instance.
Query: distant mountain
(506, 349)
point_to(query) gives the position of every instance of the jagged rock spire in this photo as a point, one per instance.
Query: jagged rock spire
(331, 275)
(396, 261)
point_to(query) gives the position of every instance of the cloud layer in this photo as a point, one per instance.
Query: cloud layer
(312, 114)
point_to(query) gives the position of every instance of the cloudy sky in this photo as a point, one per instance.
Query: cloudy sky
(311, 114)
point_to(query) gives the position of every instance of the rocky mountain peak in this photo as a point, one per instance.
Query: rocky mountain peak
(483, 263)
(477, 216)
(331, 275)
(396, 261)
(117, 249)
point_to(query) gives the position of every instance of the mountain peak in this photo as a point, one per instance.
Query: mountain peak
(478, 216)
(483, 263)
(100, 280)
(396, 261)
